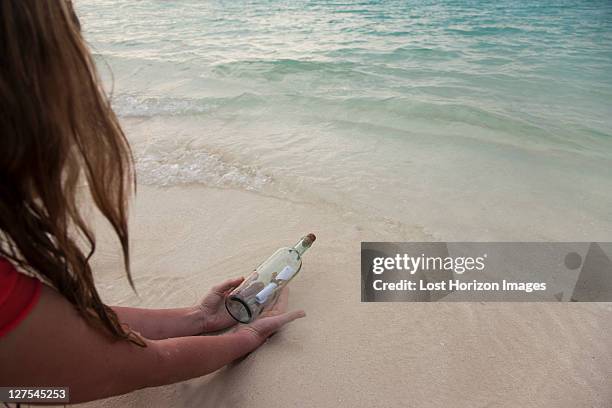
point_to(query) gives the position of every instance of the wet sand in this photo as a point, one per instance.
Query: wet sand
(347, 353)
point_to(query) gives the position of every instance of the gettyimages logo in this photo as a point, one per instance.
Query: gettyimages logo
(438, 271)
(412, 264)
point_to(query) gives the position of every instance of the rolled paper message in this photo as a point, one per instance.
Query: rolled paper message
(286, 274)
(262, 296)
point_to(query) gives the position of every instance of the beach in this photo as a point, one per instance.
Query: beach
(471, 122)
(254, 124)
(347, 353)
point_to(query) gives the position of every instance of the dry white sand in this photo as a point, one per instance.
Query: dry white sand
(347, 353)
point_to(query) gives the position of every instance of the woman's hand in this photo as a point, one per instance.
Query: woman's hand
(210, 315)
(272, 319)
(116, 367)
(213, 314)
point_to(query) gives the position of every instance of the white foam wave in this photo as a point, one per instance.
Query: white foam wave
(182, 165)
(132, 105)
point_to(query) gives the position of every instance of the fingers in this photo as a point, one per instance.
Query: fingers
(282, 302)
(227, 285)
(268, 325)
(288, 317)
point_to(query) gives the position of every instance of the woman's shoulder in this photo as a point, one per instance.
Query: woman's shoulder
(18, 295)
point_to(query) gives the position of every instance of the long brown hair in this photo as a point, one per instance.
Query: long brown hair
(57, 131)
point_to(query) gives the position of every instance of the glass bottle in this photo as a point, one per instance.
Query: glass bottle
(261, 288)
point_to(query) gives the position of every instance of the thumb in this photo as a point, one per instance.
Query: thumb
(226, 285)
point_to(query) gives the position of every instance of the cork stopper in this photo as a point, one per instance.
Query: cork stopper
(309, 239)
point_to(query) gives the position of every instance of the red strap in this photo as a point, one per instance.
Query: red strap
(18, 295)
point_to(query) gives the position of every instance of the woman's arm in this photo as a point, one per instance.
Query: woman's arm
(208, 316)
(54, 346)
(157, 324)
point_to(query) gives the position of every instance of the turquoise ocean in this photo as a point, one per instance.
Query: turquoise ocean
(470, 120)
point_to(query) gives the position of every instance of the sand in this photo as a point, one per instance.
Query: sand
(347, 353)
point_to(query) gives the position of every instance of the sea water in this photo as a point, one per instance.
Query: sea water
(471, 120)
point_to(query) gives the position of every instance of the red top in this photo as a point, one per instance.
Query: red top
(18, 295)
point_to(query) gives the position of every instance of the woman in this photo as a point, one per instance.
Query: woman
(57, 131)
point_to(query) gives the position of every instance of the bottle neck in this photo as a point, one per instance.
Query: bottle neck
(303, 245)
